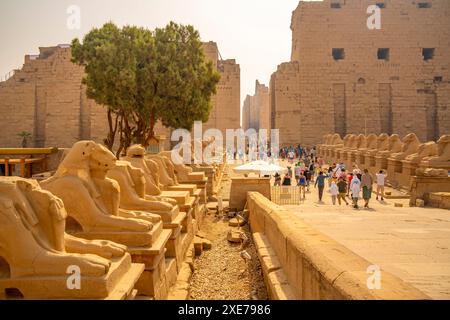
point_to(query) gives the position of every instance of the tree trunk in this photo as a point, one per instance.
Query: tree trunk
(151, 130)
(110, 139)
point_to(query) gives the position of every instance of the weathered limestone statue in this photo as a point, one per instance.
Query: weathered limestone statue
(442, 160)
(371, 142)
(93, 201)
(136, 156)
(171, 188)
(431, 172)
(163, 172)
(326, 140)
(34, 243)
(356, 156)
(381, 145)
(410, 146)
(132, 197)
(132, 188)
(425, 150)
(182, 172)
(336, 143)
(361, 142)
(73, 183)
(394, 145)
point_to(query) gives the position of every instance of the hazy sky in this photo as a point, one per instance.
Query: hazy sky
(254, 32)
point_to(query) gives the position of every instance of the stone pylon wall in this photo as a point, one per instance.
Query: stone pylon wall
(362, 93)
(256, 109)
(47, 99)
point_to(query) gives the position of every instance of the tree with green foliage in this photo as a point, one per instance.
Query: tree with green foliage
(144, 76)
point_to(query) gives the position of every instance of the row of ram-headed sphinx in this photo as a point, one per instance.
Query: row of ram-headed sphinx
(122, 226)
(400, 158)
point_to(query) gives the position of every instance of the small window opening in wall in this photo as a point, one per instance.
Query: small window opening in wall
(424, 5)
(438, 79)
(428, 53)
(338, 54)
(381, 5)
(383, 54)
(335, 5)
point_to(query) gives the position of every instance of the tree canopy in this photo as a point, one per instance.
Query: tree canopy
(144, 76)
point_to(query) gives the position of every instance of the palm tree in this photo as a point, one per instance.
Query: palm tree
(24, 135)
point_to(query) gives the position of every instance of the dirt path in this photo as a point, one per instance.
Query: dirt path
(221, 273)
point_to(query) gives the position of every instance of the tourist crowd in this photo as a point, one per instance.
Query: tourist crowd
(306, 168)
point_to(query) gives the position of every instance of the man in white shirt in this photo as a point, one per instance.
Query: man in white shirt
(381, 180)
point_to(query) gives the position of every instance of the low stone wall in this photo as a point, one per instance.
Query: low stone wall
(423, 187)
(440, 200)
(241, 186)
(301, 263)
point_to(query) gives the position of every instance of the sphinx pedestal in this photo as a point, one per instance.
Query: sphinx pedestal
(394, 171)
(117, 284)
(422, 187)
(381, 163)
(350, 159)
(147, 248)
(408, 171)
(360, 159)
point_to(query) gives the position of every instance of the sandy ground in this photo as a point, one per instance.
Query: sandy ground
(221, 273)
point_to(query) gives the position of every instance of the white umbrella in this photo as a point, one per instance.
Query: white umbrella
(260, 167)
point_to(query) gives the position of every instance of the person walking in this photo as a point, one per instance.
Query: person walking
(297, 171)
(302, 184)
(320, 184)
(367, 187)
(308, 175)
(277, 180)
(334, 190)
(287, 181)
(381, 180)
(343, 187)
(355, 188)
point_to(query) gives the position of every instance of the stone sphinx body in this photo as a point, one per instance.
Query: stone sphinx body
(394, 145)
(136, 157)
(382, 144)
(425, 150)
(410, 146)
(361, 142)
(132, 191)
(442, 159)
(90, 198)
(38, 251)
(182, 172)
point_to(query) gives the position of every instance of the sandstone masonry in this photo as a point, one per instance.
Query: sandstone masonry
(47, 99)
(345, 78)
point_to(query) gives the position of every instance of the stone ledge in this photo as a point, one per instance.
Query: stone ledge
(316, 267)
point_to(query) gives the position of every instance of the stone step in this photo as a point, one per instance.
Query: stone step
(180, 196)
(124, 290)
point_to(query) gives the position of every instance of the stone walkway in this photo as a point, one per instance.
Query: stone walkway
(411, 243)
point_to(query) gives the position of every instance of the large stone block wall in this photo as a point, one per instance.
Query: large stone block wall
(362, 93)
(256, 109)
(301, 263)
(47, 99)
